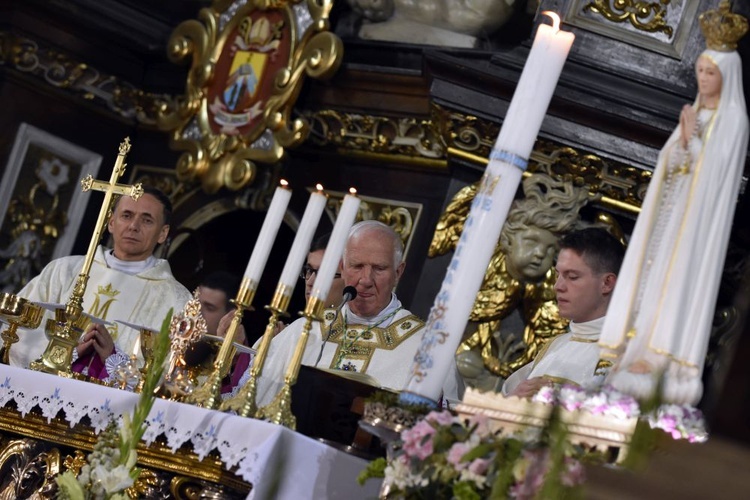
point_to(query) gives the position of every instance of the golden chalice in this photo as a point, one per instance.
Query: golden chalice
(16, 311)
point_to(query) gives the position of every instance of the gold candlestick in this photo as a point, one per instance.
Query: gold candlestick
(67, 327)
(17, 311)
(279, 411)
(209, 394)
(244, 401)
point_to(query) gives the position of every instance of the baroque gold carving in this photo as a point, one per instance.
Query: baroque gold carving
(28, 469)
(621, 186)
(249, 60)
(411, 137)
(642, 15)
(62, 71)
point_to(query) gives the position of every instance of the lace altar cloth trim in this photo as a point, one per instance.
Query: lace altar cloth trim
(258, 449)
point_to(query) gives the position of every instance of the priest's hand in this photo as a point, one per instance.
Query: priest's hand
(98, 338)
(529, 387)
(224, 322)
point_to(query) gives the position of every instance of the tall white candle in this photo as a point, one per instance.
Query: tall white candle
(268, 232)
(335, 248)
(489, 210)
(301, 245)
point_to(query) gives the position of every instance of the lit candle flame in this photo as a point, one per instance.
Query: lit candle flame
(555, 19)
(283, 183)
(352, 191)
(319, 187)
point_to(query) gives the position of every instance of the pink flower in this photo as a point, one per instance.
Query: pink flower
(457, 451)
(441, 418)
(479, 465)
(483, 424)
(418, 440)
(574, 473)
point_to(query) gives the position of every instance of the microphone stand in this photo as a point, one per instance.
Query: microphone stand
(350, 293)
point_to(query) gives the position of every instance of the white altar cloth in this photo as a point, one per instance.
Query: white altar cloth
(260, 450)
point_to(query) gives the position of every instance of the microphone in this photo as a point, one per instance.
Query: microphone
(350, 293)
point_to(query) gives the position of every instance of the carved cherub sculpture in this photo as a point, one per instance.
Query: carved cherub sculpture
(520, 275)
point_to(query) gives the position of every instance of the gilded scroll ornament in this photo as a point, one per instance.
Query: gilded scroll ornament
(519, 276)
(642, 15)
(411, 137)
(28, 469)
(60, 70)
(249, 60)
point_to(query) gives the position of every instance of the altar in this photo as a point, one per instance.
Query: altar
(48, 422)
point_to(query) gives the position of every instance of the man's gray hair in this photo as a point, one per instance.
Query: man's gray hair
(367, 226)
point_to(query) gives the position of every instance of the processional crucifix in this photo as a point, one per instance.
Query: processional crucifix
(69, 322)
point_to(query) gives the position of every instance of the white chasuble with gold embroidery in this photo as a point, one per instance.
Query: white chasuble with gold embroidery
(382, 350)
(140, 299)
(572, 358)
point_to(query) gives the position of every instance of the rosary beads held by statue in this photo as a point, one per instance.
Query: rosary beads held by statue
(660, 317)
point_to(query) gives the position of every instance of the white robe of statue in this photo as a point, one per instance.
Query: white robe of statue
(382, 347)
(571, 358)
(142, 299)
(662, 308)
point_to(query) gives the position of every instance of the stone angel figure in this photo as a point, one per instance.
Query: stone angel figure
(659, 320)
(519, 276)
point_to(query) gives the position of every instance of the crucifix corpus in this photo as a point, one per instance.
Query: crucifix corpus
(69, 322)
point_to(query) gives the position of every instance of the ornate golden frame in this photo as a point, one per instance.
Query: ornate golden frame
(289, 36)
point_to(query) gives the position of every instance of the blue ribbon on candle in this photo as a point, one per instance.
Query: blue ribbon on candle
(509, 158)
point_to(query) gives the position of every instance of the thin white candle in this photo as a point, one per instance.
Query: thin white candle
(268, 232)
(301, 245)
(336, 244)
(489, 210)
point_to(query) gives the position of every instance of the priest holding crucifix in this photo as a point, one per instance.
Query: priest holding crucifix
(125, 283)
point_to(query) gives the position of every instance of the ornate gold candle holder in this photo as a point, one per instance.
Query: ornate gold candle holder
(208, 395)
(244, 403)
(279, 411)
(16, 311)
(64, 331)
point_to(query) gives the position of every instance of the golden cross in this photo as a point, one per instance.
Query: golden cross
(56, 358)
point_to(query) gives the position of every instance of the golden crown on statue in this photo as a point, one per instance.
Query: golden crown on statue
(721, 28)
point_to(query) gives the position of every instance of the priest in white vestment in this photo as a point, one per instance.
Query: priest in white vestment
(587, 268)
(373, 333)
(126, 283)
(660, 321)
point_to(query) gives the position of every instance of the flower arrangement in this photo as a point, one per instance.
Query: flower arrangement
(679, 421)
(444, 456)
(110, 468)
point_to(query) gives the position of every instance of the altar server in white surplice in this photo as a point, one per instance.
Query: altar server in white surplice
(587, 269)
(661, 316)
(126, 283)
(374, 334)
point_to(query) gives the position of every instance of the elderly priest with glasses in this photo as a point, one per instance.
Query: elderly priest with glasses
(373, 333)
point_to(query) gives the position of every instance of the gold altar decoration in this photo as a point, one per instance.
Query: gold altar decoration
(16, 311)
(68, 322)
(279, 411)
(641, 14)
(208, 395)
(249, 59)
(244, 402)
(185, 329)
(37, 450)
(520, 274)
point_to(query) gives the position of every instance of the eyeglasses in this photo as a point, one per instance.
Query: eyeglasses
(308, 272)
